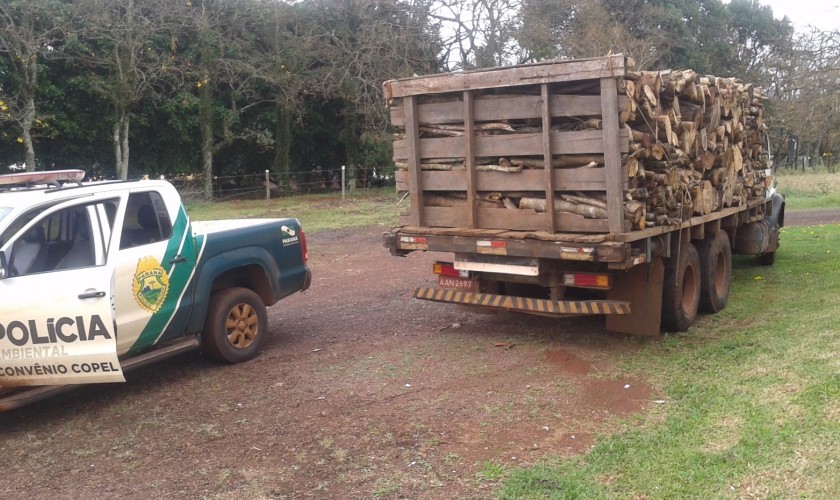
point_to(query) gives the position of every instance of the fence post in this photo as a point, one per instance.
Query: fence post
(342, 183)
(267, 193)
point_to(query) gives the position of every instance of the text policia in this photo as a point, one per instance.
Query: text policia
(56, 330)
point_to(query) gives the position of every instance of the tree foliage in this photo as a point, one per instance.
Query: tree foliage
(806, 91)
(28, 29)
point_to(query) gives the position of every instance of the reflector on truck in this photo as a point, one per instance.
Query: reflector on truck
(587, 280)
(491, 247)
(414, 242)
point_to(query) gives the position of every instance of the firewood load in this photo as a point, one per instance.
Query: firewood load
(690, 145)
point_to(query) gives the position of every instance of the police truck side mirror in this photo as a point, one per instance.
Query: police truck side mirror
(3, 266)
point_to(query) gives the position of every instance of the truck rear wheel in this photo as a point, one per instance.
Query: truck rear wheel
(767, 258)
(681, 290)
(235, 327)
(715, 272)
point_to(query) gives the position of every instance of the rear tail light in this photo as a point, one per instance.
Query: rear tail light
(587, 280)
(447, 269)
(303, 250)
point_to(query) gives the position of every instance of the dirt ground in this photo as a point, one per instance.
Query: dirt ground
(361, 391)
(812, 217)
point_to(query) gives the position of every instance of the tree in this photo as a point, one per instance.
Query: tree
(806, 91)
(130, 46)
(591, 28)
(225, 79)
(478, 33)
(733, 39)
(28, 33)
(289, 51)
(366, 43)
(756, 38)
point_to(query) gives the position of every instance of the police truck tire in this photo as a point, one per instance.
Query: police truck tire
(681, 290)
(715, 272)
(236, 326)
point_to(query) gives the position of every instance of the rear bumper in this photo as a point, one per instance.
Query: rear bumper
(524, 304)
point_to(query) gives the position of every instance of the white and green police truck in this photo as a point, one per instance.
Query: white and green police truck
(97, 278)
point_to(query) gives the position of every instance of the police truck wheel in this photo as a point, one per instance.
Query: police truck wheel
(235, 327)
(715, 272)
(681, 290)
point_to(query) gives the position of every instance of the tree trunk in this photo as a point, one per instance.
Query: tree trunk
(124, 126)
(30, 70)
(352, 146)
(120, 138)
(205, 116)
(26, 132)
(282, 143)
(120, 141)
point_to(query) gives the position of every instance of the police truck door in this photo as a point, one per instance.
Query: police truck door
(56, 319)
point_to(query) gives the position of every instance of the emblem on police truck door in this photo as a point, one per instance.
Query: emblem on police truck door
(150, 284)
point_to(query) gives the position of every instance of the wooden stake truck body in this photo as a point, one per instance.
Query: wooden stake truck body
(645, 216)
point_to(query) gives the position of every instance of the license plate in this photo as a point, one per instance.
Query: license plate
(453, 282)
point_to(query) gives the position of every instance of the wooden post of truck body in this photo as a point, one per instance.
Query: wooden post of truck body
(469, 159)
(550, 213)
(412, 139)
(612, 155)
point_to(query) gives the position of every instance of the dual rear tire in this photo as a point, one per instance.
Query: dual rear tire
(696, 281)
(715, 272)
(681, 290)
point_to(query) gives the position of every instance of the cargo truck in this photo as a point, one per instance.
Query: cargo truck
(656, 179)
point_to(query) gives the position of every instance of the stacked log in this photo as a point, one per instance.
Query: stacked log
(695, 147)
(696, 141)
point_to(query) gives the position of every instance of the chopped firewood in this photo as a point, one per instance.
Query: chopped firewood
(440, 132)
(632, 165)
(587, 211)
(562, 161)
(499, 168)
(693, 144)
(440, 200)
(591, 124)
(703, 198)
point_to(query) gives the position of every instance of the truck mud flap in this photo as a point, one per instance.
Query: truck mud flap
(523, 304)
(31, 395)
(642, 286)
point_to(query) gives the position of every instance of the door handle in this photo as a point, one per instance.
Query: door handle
(92, 295)
(178, 259)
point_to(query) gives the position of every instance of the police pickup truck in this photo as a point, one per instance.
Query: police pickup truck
(97, 278)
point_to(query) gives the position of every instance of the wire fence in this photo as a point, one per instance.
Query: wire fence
(269, 185)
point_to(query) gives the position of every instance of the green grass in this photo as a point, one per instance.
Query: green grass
(752, 396)
(317, 212)
(812, 189)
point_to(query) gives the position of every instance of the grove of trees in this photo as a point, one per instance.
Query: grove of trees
(220, 88)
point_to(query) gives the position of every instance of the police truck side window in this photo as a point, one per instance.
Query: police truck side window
(72, 238)
(146, 220)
